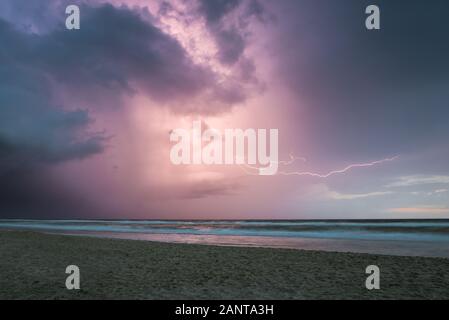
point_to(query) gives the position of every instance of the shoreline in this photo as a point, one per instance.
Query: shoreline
(426, 238)
(376, 247)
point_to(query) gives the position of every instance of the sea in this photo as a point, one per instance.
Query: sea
(391, 237)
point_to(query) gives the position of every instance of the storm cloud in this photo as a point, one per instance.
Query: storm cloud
(116, 53)
(371, 91)
(230, 34)
(84, 114)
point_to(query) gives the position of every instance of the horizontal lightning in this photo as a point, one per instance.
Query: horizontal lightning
(291, 160)
(322, 175)
(340, 171)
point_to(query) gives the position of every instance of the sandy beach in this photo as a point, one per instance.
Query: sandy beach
(32, 266)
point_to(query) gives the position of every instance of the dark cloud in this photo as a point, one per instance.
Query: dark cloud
(50, 77)
(230, 37)
(231, 45)
(367, 92)
(215, 10)
(30, 192)
(34, 16)
(255, 8)
(32, 128)
(35, 133)
(117, 51)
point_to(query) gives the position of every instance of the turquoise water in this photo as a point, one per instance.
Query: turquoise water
(405, 230)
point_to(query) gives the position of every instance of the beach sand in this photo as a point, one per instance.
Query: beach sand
(32, 266)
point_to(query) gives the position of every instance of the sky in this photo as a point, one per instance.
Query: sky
(86, 115)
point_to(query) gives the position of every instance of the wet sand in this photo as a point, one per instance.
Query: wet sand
(32, 266)
(384, 247)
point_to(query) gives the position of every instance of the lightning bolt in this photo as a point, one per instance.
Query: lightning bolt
(291, 160)
(340, 171)
(323, 175)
